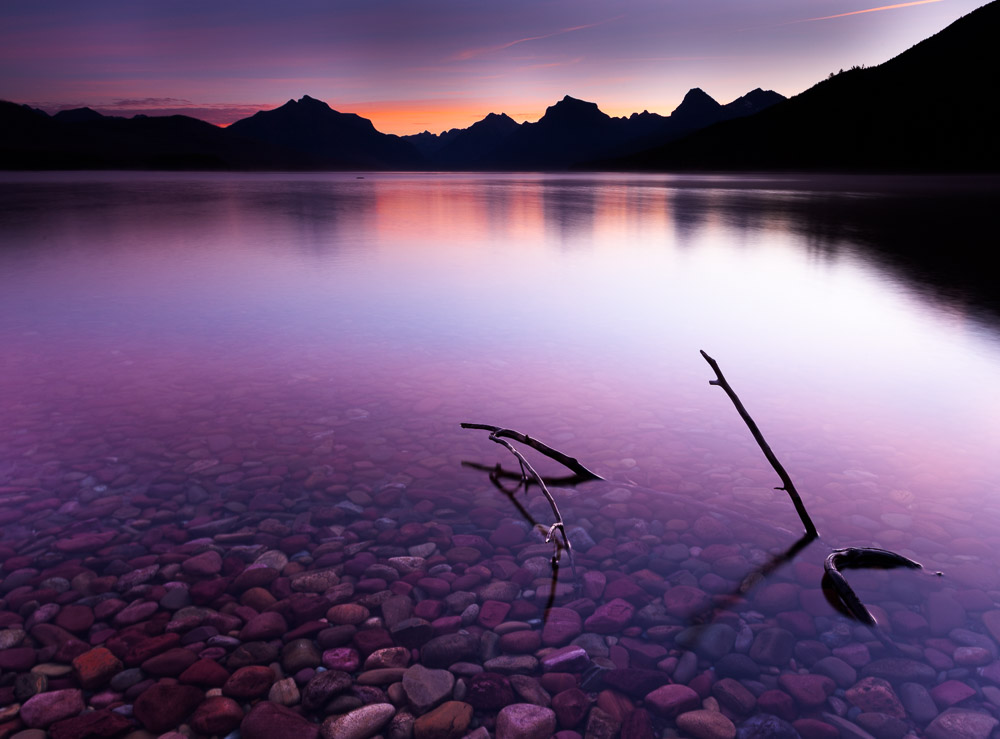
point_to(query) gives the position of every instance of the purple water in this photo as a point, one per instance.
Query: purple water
(276, 366)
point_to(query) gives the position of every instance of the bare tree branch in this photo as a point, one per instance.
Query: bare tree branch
(570, 463)
(786, 481)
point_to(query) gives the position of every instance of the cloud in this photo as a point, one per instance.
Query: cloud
(150, 103)
(473, 53)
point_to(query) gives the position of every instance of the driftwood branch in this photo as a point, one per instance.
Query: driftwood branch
(570, 463)
(786, 481)
(528, 473)
(861, 557)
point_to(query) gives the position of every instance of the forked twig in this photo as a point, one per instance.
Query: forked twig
(786, 481)
(570, 463)
(500, 436)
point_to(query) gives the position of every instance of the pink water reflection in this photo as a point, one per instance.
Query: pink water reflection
(333, 322)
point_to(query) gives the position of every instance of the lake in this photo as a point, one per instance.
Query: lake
(230, 411)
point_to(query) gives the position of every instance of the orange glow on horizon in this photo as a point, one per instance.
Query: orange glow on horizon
(416, 116)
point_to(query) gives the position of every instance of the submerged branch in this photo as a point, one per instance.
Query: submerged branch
(861, 557)
(570, 463)
(786, 481)
(528, 473)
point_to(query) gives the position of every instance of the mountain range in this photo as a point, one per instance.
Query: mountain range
(308, 134)
(930, 108)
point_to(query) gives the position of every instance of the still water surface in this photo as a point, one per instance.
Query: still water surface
(288, 343)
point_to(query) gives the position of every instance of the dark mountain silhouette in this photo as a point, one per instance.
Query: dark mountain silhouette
(931, 108)
(84, 139)
(576, 131)
(311, 128)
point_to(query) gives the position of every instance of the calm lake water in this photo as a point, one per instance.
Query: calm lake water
(280, 363)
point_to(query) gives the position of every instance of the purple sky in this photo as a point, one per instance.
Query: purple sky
(411, 65)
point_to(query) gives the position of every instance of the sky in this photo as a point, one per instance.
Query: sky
(415, 65)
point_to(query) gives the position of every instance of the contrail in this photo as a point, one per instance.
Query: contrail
(868, 10)
(470, 53)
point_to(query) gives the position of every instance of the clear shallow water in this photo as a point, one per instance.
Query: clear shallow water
(184, 349)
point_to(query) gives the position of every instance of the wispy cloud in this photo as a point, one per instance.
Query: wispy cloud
(867, 10)
(482, 51)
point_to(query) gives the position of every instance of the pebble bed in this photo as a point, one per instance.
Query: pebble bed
(216, 598)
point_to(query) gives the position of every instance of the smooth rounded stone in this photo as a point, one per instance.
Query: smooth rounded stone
(88, 725)
(712, 641)
(44, 709)
(129, 677)
(972, 657)
(345, 659)
(773, 647)
(299, 654)
(254, 653)
(323, 687)
(264, 626)
(134, 612)
(396, 608)
(10, 638)
(961, 723)
(217, 716)
(778, 703)
(831, 726)
(441, 651)
(810, 691)
(488, 691)
(529, 690)
(704, 724)
(670, 700)
(765, 726)
(426, 688)
(95, 668)
(525, 721)
(315, 581)
(253, 681)
(413, 633)
(29, 684)
(75, 618)
(165, 705)
(206, 672)
(602, 725)
(492, 613)
(570, 707)
(388, 657)
(737, 666)
(734, 696)
(634, 682)
(686, 602)
(873, 694)
(267, 720)
(367, 641)
(170, 663)
(284, 692)
(572, 658)
(347, 613)
(561, 626)
(450, 720)
(837, 670)
(918, 702)
(967, 638)
(17, 659)
(610, 618)
(501, 590)
(204, 564)
(950, 693)
(520, 642)
(381, 676)
(900, 669)
(882, 726)
(510, 664)
(361, 723)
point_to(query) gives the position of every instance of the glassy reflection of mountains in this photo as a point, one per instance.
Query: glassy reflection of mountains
(929, 108)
